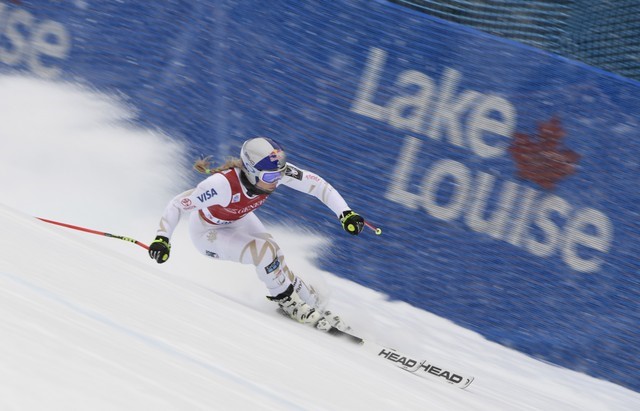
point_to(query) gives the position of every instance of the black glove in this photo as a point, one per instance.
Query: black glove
(159, 249)
(352, 222)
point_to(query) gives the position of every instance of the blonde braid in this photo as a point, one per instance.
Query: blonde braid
(203, 165)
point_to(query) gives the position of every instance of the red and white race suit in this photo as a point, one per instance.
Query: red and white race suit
(223, 225)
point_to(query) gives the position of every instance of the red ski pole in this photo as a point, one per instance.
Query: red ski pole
(375, 229)
(87, 230)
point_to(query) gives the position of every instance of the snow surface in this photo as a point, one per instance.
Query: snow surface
(91, 323)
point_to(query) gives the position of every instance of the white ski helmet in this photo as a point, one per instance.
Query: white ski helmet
(263, 159)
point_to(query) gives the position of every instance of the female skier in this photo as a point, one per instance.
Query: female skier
(223, 225)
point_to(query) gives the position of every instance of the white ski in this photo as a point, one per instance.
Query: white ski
(421, 368)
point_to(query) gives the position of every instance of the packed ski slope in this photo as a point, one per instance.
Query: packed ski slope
(92, 323)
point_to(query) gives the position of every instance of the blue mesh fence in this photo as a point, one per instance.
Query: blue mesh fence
(600, 33)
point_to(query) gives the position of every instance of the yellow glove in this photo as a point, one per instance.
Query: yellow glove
(159, 249)
(352, 222)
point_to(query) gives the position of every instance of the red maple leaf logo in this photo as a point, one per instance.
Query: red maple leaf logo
(543, 160)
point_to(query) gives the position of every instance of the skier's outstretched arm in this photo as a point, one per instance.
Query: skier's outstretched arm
(311, 183)
(211, 191)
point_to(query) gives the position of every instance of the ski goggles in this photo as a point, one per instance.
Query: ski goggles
(270, 177)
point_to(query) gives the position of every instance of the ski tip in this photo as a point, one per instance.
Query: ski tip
(467, 383)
